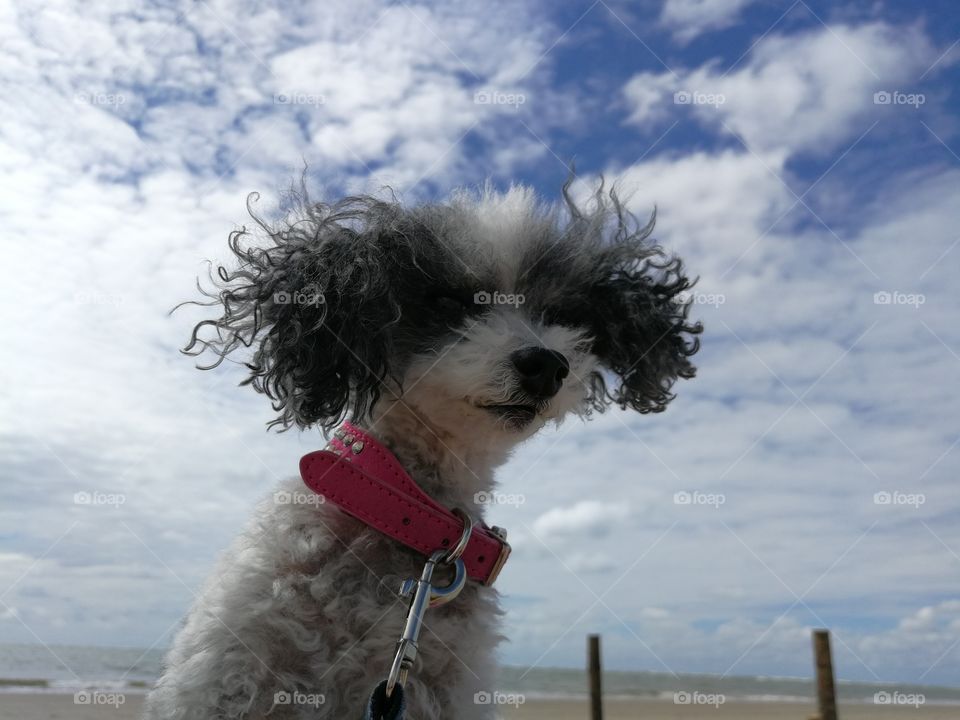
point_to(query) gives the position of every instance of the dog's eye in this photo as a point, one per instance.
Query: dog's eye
(561, 316)
(448, 304)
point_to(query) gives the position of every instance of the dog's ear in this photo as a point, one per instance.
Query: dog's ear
(641, 328)
(315, 307)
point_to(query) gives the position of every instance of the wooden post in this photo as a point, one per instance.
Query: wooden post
(593, 667)
(826, 693)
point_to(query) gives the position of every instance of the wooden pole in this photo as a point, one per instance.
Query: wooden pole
(826, 693)
(593, 667)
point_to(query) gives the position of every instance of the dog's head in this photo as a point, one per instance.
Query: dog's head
(484, 316)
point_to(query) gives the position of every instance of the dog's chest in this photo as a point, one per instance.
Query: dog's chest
(349, 604)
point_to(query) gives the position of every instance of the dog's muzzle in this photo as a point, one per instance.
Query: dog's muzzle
(540, 375)
(541, 371)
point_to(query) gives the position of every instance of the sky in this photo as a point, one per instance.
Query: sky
(804, 159)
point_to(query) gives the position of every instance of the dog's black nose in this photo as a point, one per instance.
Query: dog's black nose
(541, 371)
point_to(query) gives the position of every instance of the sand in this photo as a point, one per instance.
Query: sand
(15, 706)
(666, 710)
(31, 706)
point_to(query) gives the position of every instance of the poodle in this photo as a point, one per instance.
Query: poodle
(449, 332)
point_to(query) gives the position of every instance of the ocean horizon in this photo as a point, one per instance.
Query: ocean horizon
(70, 668)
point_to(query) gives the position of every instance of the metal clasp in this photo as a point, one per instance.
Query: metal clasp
(424, 594)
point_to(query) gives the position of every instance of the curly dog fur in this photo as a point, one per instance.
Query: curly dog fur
(409, 321)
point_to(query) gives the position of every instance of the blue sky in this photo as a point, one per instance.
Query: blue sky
(803, 158)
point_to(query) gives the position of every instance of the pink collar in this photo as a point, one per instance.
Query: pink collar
(364, 479)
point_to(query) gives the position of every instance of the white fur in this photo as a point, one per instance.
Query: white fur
(500, 224)
(305, 601)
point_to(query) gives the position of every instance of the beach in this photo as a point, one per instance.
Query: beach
(666, 710)
(51, 706)
(34, 687)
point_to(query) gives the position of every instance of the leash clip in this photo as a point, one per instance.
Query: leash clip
(424, 594)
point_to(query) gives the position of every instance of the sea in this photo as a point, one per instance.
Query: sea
(68, 669)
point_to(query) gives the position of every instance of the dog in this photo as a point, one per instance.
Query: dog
(451, 332)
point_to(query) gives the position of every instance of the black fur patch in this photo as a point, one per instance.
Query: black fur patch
(602, 272)
(340, 297)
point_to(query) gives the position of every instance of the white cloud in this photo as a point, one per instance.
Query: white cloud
(690, 18)
(383, 90)
(590, 517)
(803, 92)
(590, 563)
(713, 205)
(799, 478)
(126, 152)
(666, 640)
